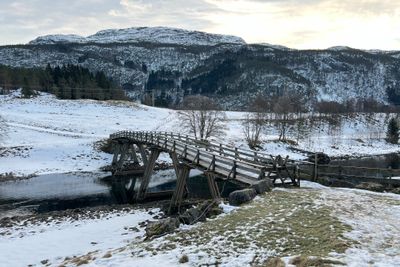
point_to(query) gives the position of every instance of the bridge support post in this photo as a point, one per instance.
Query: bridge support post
(147, 173)
(116, 149)
(183, 174)
(175, 162)
(134, 155)
(143, 154)
(123, 151)
(213, 186)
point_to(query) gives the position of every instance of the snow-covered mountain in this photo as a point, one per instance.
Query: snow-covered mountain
(164, 35)
(174, 62)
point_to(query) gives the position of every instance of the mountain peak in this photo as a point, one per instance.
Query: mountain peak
(143, 34)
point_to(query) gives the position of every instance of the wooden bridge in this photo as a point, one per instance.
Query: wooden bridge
(216, 161)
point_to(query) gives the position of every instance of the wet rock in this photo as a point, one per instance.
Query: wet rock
(159, 228)
(263, 186)
(239, 197)
(335, 182)
(371, 186)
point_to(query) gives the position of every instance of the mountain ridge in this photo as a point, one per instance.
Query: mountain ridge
(232, 73)
(142, 34)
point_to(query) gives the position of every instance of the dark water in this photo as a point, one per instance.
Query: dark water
(78, 190)
(384, 161)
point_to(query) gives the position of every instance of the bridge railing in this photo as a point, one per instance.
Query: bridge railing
(231, 163)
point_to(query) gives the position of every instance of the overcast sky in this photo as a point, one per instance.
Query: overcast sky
(368, 24)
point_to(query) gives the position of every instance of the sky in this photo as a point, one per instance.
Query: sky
(302, 24)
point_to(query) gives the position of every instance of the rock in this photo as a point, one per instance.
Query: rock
(191, 216)
(201, 212)
(239, 197)
(263, 186)
(396, 190)
(321, 159)
(184, 259)
(335, 182)
(161, 227)
(371, 186)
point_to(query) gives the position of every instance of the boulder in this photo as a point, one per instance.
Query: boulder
(322, 158)
(159, 228)
(371, 186)
(263, 186)
(239, 197)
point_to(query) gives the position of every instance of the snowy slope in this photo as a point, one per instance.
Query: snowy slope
(164, 35)
(58, 39)
(47, 135)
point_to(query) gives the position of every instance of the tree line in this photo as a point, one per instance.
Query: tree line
(66, 82)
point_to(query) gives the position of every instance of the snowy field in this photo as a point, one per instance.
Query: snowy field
(359, 228)
(47, 135)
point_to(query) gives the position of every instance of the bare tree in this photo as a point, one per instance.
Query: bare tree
(283, 108)
(202, 116)
(252, 128)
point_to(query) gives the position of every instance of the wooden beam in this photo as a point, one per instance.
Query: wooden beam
(212, 185)
(143, 154)
(175, 162)
(147, 174)
(116, 149)
(123, 151)
(134, 155)
(181, 183)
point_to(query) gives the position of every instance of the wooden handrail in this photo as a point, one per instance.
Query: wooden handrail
(231, 162)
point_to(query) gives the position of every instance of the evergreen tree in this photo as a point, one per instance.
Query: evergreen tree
(27, 91)
(67, 82)
(392, 134)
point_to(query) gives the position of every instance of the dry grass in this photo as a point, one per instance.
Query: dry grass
(273, 262)
(303, 261)
(289, 223)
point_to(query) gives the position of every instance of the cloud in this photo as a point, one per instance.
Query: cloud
(190, 14)
(294, 23)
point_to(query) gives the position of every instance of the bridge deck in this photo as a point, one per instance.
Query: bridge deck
(242, 166)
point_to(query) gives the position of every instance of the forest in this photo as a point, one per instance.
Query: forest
(66, 82)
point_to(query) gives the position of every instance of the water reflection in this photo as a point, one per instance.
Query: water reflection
(78, 190)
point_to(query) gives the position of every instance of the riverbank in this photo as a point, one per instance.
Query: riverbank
(341, 226)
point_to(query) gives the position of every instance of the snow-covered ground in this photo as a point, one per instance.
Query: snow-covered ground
(47, 135)
(56, 240)
(117, 239)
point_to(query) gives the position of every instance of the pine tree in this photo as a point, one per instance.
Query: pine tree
(27, 91)
(392, 134)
